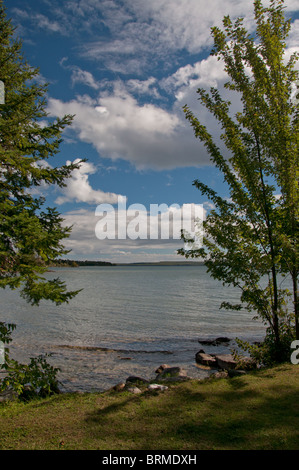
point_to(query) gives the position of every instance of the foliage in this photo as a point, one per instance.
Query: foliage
(265, 353)
(251, 237)
(38, 378)
(30, 235)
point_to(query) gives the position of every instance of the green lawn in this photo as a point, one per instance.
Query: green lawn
(257, 411)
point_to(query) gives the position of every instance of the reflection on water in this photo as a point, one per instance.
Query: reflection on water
(127, 320)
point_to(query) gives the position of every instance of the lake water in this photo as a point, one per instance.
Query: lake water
(127, 320)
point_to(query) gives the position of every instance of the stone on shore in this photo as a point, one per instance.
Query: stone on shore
(206, 359)
(226, 361)
(223, 361)
(172, 374)
(157, 387)
(136, 380)
(217, 361)
(215, 342)
(161, 368)
(8, 395)
(134, 390)
(119, 387)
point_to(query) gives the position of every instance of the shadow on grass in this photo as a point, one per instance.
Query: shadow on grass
(233, 415)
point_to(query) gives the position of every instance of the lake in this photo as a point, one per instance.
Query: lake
(127, 320)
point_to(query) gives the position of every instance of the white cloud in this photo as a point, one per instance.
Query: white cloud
(144, 87)
(120, 128)
(43, 22)
(145, 134)
(205, 73)
(85, 77)
(78, 188)
(292, 41)
(162, 26)
(148, 235)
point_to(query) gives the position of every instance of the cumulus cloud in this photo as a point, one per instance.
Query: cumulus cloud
(154, 30)
(78, 188)
(205, 73)
(140, 119)
(85, 77)
(127, 233)
(119, 127)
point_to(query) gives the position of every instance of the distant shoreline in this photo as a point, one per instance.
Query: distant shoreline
(78, 263)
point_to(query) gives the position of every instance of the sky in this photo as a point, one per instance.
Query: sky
(125, 69)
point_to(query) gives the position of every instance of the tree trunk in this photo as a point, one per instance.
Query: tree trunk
(296, 306)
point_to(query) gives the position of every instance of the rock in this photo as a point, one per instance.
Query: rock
(8, 395)
(222, 339)
(207, 342)
(119, 387)
(205, 359)
(136, 380)
(172, 374)
(157, 387)
(134, 390)
(179, 378)
(219, 375)
(226, 361)
(161, 368)
(214, 342)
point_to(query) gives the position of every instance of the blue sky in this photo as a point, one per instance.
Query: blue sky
(126, 68)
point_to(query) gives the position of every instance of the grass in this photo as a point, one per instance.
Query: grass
(257, 411)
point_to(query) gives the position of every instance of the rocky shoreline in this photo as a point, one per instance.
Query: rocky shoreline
(223, 365)
(220, 365)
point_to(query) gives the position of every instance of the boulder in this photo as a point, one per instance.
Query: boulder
(172, 373)
(8, 395)
(119, 387)
(214, 342)
(161, 368)
(136, 380)
(205, 359)
(134, 390)
(219, 375)
(157, 387)
(222, 339)
(225, 361)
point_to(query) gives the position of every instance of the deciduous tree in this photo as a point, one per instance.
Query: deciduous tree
(251, 237)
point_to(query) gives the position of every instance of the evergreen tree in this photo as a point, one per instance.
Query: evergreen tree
(251, 238)
(30, 235)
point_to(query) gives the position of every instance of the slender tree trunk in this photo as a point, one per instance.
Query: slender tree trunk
(272, 252)
(296, 306)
